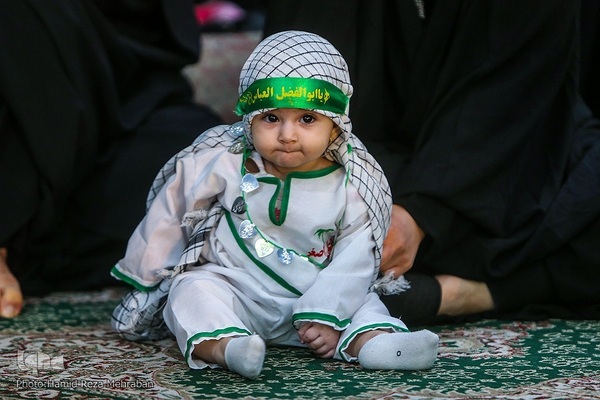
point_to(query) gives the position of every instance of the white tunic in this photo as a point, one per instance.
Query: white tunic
(318, 216)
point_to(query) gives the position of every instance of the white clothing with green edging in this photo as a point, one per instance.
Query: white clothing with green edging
(293, 58)
(317, 219)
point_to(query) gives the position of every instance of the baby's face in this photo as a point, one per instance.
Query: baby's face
(292, 139)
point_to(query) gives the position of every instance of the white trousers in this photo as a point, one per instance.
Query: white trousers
(215, 302)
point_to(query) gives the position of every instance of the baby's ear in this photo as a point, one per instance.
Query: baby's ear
(335, 132)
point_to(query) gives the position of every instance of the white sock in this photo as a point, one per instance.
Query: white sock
(401, 350)
(245, 355)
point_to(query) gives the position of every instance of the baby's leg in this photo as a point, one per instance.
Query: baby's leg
(242, 354)
(383, 348)
(400, 350)
(205, 313)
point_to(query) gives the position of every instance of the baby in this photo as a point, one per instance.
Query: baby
(284, 215)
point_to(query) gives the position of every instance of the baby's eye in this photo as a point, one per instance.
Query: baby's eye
(307, 118)
(270, 118)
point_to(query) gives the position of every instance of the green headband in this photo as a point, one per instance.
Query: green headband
(289, 92)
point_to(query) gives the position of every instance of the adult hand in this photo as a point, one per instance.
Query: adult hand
(401, 243)
(11, 299)
(321, 339)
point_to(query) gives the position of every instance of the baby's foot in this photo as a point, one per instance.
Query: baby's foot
(401, 350)
(245, 355)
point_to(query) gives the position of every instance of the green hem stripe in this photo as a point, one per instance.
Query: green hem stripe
(212, 335)
(315, 316)
(117, 273)
(383, 325)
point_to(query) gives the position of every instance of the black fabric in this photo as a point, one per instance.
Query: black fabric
(476, 116)
(420, 304)
(590, 54)
(92, 104)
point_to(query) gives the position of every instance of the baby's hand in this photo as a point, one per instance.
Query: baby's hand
(321, 339)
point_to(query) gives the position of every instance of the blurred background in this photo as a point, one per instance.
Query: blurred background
(230, 31)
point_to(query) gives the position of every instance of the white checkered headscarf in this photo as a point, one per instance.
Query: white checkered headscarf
(300, 55)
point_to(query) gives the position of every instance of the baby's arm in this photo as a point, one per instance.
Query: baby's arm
(321, 339)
